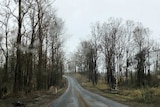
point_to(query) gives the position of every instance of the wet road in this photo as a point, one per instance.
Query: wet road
(76, 96)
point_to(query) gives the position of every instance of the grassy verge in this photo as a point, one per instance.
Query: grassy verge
(149, 97)
(36, 99)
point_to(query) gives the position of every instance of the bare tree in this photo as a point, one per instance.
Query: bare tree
(96, 34)
(140, 36)
(22, 11)
(6, 30)
(27, 55)
(57, 57)
(129, 47)
(112, 47)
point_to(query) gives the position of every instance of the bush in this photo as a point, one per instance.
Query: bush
(136, 94)
(53, 89)
(155, 91)
(148, 96)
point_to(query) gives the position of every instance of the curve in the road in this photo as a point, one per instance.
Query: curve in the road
(76, 96)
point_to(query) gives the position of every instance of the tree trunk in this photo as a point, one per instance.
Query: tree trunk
(18, 73)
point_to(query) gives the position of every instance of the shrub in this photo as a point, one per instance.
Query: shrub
(148, 96)
(136, 94)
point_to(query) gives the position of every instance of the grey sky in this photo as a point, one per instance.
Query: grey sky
(80, 14)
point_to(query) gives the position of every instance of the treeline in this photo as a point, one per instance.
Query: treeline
(30, 46)
(121, 49)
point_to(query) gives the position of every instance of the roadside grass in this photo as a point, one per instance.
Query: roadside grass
(38, 99)
(148, 97)
(35, 99)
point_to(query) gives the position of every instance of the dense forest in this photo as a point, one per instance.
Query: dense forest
(121, 52)
(31, 53)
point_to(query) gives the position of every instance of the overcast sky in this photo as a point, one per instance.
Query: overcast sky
(80, 14)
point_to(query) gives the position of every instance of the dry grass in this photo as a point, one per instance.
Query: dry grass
(149, 97)
(35, 99)
(102, 85)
